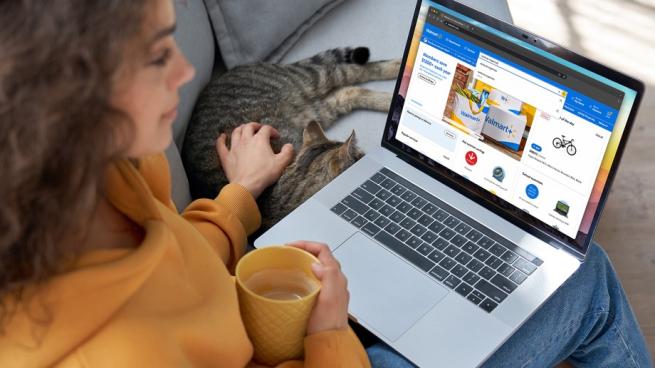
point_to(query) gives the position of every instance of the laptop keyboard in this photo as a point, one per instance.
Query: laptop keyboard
(454, 249)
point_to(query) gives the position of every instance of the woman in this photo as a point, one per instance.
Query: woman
(97, 268)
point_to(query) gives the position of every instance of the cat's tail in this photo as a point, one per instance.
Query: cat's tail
(342, 55)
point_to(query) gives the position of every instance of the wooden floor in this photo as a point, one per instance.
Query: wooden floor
(596, 28)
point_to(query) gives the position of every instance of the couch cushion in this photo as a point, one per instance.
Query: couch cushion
(383, 26)
(195, 38)
(248, 31)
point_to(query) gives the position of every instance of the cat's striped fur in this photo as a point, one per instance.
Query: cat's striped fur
(287, 97)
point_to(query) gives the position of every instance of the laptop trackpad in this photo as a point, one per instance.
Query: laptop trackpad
(386, 292)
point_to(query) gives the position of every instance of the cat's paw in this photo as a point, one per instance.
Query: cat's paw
(360, 55)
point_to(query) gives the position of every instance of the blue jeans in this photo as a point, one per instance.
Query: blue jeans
(587, 322)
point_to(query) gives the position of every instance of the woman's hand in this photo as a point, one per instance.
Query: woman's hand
(331, 309)
(250, 160)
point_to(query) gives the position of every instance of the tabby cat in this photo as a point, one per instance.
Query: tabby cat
(288, 97)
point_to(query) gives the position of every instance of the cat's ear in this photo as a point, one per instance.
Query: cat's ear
(313, 134)
(348, 149)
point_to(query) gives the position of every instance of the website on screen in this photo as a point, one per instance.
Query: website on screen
(530, 135)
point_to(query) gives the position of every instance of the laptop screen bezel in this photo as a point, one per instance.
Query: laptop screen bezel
(528, 223)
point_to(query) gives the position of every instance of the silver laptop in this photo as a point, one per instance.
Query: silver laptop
(495, 162)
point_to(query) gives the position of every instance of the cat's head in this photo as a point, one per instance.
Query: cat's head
(320, 159)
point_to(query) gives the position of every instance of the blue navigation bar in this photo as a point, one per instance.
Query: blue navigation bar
(468, 52)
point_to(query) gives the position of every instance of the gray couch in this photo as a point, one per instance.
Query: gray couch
(382, 25)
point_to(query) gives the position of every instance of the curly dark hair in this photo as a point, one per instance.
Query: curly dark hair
(58, 130)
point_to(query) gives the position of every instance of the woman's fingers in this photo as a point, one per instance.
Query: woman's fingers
(250, 129)
(236, 136)
(267, 132)
(320, 250)
(221, 146)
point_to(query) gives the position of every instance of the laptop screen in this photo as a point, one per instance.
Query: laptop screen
(532, 133)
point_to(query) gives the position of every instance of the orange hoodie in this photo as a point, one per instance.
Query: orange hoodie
(171, 302)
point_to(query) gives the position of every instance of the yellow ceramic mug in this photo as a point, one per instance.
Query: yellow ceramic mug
(277, 291)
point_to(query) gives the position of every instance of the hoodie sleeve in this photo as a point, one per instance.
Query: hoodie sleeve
(226, 221)
(332, 349)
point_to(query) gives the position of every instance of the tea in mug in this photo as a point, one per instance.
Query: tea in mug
(281, 284)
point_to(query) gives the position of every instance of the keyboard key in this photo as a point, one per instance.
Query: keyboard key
(425, 220)
(403, 251)
(518, 277)
(430, 208)
(509, 257)
(355, 204)
(475, 265)
(493, 262)
(463, 228)
(458, 240)
(486, 272)
(471, 278)
(451, 222)
(463, 289)
(349, 215)
(383, 194)
(404, 207)
(524, 266)
(339, 208)
(403, 235)
(429, 237)
(386, 210)
(436, 256)
(478, 294)
(371, 215)
(452, 281)
(418, 230)
(362, 195)
(424, 249)
(441, 243)
(388, 183)
(407, 223)
(447, 263)
(419, 202)
(505, 269)
(359, 221)
(415, 213)
(488, 305)
(485, 242)
(474, 299)
(376, 203)
(393, 201)
(503, 284)
(371, 229)
(378, 178)
(447, 233)
(459, 271)
(439, 273)
(408, 196)
(497, 250)
(436, 227)
(398, 190)
(371, 187)
(414, 242)
(470, 248)
(382, 221)
(451, 251)
(463, 258)
(474, 235)
(490, 291)
(392, 228)
(440, 215)
(397, 217)
(481, 255)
